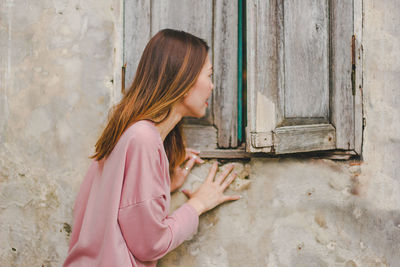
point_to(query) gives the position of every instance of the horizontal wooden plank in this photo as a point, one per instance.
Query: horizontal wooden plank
(240, 153)
(225, 153)
(200, 137)
(302, 138)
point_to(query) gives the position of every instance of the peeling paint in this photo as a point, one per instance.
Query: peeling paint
(265, 114)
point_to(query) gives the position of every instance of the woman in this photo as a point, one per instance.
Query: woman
(121, 211)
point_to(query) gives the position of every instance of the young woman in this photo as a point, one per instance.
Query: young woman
(121, 214)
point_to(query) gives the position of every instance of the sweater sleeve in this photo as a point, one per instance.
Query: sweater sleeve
(150, 234)
(148, 230)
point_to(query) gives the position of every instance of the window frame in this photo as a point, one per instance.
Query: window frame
(270, 141)
(210, 127)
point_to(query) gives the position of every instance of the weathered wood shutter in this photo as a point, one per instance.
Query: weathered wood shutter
(299, 76)
(214, 21)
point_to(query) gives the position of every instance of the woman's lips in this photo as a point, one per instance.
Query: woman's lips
(207, 103)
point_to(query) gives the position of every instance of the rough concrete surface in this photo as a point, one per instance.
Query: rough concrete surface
(59, 61)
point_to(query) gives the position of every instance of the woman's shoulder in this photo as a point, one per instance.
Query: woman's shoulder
(143, 132)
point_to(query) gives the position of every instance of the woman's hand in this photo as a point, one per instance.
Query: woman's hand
(180, 174)
(211, 193)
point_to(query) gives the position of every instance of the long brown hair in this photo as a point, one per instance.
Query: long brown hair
(169, 67)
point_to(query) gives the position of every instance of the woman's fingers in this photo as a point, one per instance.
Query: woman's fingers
(198, 159)
(189, 165)
(228, 198)
(210, 194)
(212, 172)
(192, 150)
(224, 174)
(192, 153)
(228, 180)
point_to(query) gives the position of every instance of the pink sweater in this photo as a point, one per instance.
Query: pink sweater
(121, 211)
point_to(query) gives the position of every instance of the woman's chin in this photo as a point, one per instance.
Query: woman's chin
(197, 112)
(197, 115)
(203, 113)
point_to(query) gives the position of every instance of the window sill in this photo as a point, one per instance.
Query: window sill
(240, 153)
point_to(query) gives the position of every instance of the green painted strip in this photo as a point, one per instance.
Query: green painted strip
(240, 70)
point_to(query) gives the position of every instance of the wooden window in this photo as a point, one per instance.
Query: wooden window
(303, 84)
(304, 78)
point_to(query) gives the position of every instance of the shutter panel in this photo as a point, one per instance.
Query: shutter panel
(216, 22)
(299, 76)
(226, 67)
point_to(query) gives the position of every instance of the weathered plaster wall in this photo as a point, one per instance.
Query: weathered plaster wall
(56, 72)
(57, 66)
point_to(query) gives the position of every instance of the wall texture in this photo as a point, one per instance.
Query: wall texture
(58, 77)
(57, 68)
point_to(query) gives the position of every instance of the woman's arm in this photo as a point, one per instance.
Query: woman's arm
(147, 229)
(150, 233)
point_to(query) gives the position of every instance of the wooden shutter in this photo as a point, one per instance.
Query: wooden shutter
(299, 76)
(214, 21)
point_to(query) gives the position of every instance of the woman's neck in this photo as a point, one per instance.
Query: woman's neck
(169, 123)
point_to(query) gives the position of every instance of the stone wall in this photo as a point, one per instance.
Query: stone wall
(59, 74)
